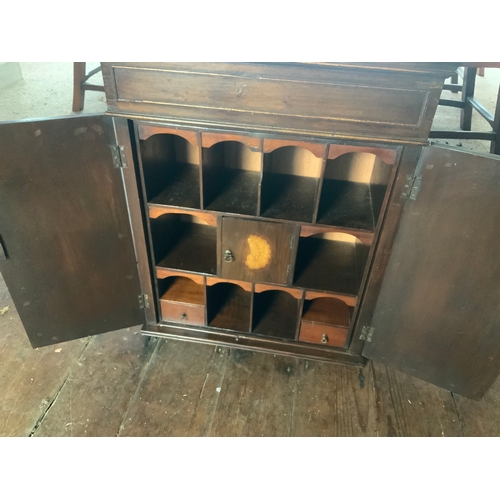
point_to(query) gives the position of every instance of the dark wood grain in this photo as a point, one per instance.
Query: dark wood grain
(406, 165)
(350, 100)
(437, 316)
(408, 407)
(335, 400)
(177, 395)
(31, 378)
(262, 251)
(480, 418)
(72, 268)
(244, 407)
(97, 393)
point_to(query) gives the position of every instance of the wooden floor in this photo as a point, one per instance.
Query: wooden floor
(119, 384)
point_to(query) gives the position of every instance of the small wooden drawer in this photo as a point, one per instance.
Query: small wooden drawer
(325, 320)
(317, 333)
(183, 302)
(188, 314)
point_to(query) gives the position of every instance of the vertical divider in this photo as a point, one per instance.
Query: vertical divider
(205, 297)
(320, 184)
(252, 301)
(259, 192)
(219, 249)
(293, 256)
(300, 312)
(200, 168)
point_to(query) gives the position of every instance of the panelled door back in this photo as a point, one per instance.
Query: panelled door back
(70, 264)
(438, 313)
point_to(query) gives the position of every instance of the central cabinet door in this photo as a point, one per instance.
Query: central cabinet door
(257, 251)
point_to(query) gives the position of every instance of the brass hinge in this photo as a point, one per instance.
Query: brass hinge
(367, 333)
(118, 155)
(412, 187)
(143, 301)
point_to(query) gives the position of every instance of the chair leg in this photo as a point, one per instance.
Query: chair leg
(467, 91)
(454, 79)
(78, 79)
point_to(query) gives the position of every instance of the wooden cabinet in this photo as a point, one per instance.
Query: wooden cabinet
(288, 208)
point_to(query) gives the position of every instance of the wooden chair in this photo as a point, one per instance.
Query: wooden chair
(80, 84)
(467, 104)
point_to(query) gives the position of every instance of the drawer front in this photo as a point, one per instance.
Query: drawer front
(186, 314)
(257, 251)
(317, 333)
(328, 100)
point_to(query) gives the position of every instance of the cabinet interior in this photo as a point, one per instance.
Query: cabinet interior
(231, 178)
(332, 201)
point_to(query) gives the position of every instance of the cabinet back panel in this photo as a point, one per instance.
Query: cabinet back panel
(71, 267)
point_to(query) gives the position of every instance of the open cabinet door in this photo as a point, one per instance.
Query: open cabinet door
(438, 313)
(67, 253)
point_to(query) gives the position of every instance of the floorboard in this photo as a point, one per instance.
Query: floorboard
(178, 393)
(257, 395)
(31, 378)
(97, 393)
(480, 418)
(331, 401)
(408, 407)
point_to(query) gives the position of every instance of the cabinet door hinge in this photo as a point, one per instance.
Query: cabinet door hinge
(143, 301)
(412, 187)
(118, 155)
(367, 333)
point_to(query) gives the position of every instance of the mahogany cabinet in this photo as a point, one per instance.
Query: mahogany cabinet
(294, 209)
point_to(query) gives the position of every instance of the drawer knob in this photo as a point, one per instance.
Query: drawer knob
(324, 338)
(184, 317)
(228, 256)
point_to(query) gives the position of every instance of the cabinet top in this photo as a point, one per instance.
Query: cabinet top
(384, 102)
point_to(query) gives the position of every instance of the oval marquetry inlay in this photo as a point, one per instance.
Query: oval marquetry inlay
(259, 253)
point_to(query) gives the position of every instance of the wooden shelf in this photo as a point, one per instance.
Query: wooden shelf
(327, 311)
(289, 197)
(346, 204)
(182, 187)
(231, 177)
(330, 265)
(171, 169)
(179, 243)
(275, 314)
(229, 307)
(353, 189)
(232, 191)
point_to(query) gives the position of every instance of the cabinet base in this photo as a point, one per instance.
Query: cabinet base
(270, 346)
